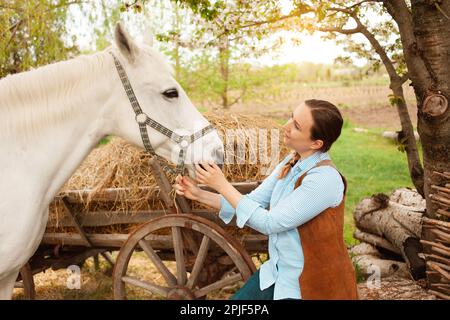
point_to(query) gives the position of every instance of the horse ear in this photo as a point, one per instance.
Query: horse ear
(125, 43)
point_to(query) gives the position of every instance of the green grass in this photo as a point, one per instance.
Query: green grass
(371, 164)
(202, 109)
(105, 140)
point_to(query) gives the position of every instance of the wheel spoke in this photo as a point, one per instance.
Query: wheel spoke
(163, 291)
(168, 276)
(179, 255)
(202, 253)
(218, 284)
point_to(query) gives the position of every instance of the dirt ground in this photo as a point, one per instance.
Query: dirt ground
(365, 106)
(375, 116)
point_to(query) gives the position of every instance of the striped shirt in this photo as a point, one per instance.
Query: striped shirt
(275, 209)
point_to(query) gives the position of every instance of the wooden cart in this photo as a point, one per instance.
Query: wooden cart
(194, 239)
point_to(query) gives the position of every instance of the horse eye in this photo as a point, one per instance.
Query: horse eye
(171, 93)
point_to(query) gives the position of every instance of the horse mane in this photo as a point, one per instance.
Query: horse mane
(29, 99)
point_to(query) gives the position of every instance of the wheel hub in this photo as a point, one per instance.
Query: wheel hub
(180, 293)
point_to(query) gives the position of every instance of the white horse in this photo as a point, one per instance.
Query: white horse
(52, 117)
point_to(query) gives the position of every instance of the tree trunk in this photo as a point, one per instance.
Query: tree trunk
(432, 32)
(408, 140)
(432, 35)
(224, 58)
(177, 44)
(425, 37)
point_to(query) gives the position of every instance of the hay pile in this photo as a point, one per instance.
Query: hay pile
(121, 165)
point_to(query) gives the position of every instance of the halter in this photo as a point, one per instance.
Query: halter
(144, 120)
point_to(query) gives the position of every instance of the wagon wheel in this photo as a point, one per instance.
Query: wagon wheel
(27, 282)
(181, 286)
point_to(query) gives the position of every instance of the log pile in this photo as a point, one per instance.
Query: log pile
(399, 240)
(437, 246)
(393, 226)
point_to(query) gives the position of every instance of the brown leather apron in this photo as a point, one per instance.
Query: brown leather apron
(328, 273)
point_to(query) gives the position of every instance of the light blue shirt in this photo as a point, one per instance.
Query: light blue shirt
(321, 188)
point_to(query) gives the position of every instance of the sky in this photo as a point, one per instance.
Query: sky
(312, 49)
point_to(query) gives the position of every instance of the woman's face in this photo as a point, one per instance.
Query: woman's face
(297, 131)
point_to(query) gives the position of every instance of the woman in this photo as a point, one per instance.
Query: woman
(300, 206)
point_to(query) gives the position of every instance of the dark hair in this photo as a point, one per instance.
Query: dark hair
(327, 122)
(327, 126)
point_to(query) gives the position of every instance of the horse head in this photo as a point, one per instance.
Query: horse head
(163, 108)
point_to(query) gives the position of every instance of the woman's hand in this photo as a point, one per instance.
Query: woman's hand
(211, 175)
(187, 187)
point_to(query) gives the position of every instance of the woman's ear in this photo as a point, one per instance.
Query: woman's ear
(317, 144)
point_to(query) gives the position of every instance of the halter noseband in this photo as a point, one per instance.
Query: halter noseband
(144, 120)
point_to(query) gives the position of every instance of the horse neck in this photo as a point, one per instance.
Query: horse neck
(67, 123)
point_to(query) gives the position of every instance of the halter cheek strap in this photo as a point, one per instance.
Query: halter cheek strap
(143, 120)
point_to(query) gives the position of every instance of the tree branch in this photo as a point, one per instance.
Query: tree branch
(238, 98)
(373, 41)
(296, 13)
(14, 31)
(340, 30)
(361, 2)
(414, 165)
(66, 4)
(404, 78)
(259, 23)
(440, 9)
(13, 28)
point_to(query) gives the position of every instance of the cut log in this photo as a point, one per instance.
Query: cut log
(386, 267)
(375, 241)
(363, 249)
(409, 198)
(369, 259)
(394, 223)
(396, 135)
